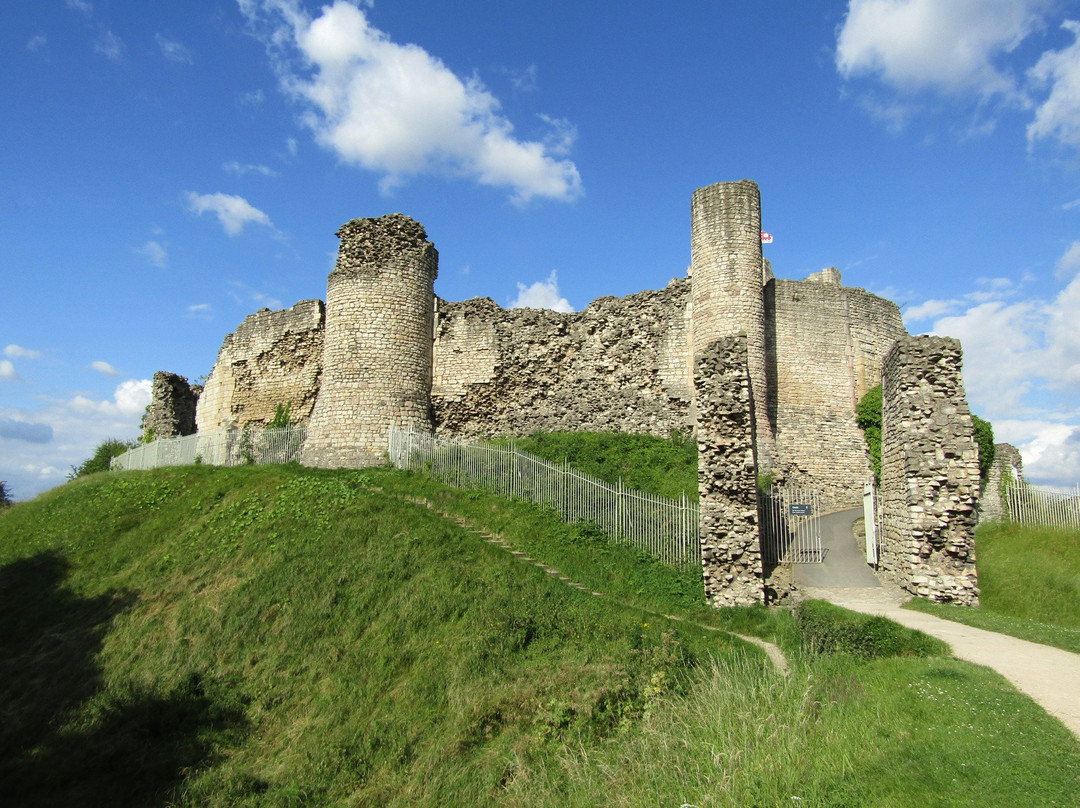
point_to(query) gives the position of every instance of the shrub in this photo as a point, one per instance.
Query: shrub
(984, 437)
(828, 629)
(102, 458)
(5, 495)
(868, 416)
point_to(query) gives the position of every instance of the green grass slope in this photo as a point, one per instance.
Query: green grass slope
(280, 636)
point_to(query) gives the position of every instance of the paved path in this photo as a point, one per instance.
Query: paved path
(1049, 675)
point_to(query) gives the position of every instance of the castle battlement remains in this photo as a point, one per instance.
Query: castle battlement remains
(385, 350)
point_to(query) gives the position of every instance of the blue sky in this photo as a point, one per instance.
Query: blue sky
(168, 168)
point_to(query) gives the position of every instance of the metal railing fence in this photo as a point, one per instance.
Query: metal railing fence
(1036, 505)
(790, 526)
(665, 528)
(223, 447)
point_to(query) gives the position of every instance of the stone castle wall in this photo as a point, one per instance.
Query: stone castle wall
(727, 270)
(377, 357)
(172, 407)
(824, 347)
(274, 358)
(929, 472)
(727, 476)
(621, 364)
(1007, 469)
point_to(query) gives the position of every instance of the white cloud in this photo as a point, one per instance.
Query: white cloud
(154, 252)
(109, 45)
(37, 42)
(7, 370)
(253, 98)
(174, 51)
(542, 295)
(78, 425)
(944, 45)
(244, 294)
(18, 352)
(1058, 117)
(104, 367)
(291, 145)
(200, 311)
(248, 168)
(232, 211)
(80, 5)
(398, 110)
(930, 309)
(1069, 264)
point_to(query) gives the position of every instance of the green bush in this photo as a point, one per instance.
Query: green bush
(5, 495)
(102, 458)
(828, 629)
(984, 437)
(868, 416)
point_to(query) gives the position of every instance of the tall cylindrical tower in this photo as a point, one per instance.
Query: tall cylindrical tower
(726, 270)
(376, 366)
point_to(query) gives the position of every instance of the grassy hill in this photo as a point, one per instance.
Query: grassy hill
(280, 636)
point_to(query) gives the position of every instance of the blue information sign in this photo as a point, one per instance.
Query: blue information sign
(799, 510)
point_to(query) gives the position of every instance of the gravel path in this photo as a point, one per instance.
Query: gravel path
(1048, 675)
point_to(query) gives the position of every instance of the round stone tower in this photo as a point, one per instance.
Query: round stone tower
(376, 364)
(727, 299)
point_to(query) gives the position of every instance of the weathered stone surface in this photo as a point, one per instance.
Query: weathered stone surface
(622, 364)
(929, 472)
(377, 356)
(172, 406)
(727, 476)
(273, 358)
(1007, 469)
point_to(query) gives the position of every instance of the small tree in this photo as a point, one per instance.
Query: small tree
(102, 458)
(5, 496)
(868, 416)
(984, 437)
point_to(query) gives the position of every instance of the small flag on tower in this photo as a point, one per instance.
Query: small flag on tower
(766, 238)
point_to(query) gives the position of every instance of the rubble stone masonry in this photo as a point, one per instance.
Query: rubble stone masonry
(929, 472)
(274, 358)
(727, 476)
(172, 407)
(377, 355)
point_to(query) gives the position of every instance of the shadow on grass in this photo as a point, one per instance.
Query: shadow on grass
(66, 738)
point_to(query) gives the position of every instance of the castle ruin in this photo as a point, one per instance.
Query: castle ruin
(766, 371)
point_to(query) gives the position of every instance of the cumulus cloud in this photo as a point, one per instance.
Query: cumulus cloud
(37, 42)
(1058, 117)
(18, 352)
(104, 367)
(396, 109)
(1069, 264)
(232, 211)
(154, 252)
(7, 370)
(949, 46)
(542, 295)
(174, 51)
(31, 464)
(25, 431)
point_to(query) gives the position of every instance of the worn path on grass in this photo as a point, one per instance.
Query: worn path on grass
(1048, 675)
(775, 655)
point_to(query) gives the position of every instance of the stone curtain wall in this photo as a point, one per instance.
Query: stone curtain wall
(930, 472)
(824, 344)
(1007, 468)
(274, 357)
(727, 476)
(727, 271)
(621, 364)
(378, 345)
(172, 407)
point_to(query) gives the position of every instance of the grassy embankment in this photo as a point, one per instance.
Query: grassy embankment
(1030, 582)
(284, 636)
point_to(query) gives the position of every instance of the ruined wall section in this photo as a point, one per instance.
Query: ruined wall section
(727, 270)
(727, 476)
(172, 407)
(621, 364)
(1006, 470)
(929, 472)
(377, 349)
(825, 347)
(274, 357)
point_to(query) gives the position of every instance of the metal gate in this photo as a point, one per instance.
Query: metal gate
(791, 526)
